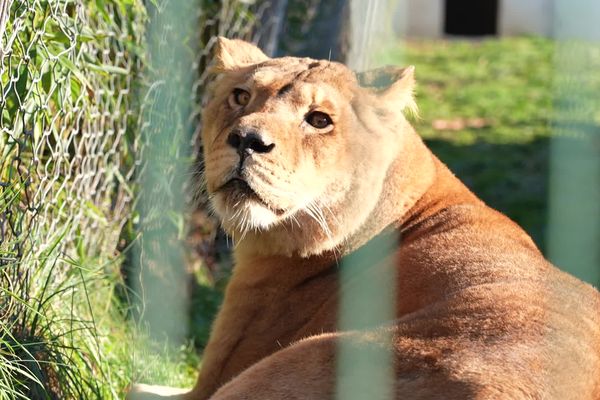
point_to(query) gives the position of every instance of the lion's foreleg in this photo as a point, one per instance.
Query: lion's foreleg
(305, 370)
(153, 392)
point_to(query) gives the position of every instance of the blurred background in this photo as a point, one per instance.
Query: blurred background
(104, 226)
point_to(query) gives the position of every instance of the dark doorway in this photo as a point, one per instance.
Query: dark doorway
(471, 17)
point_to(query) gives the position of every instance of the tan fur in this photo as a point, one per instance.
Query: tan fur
(480, 314)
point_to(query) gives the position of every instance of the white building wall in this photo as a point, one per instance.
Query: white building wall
(425, 18)
(521, 17)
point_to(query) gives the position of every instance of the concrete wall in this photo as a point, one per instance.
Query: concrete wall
(519, 17)
(425, 18)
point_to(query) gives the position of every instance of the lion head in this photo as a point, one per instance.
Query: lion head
(296, 152)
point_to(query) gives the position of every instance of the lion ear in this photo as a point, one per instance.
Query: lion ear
(231, 54)
(395, 86)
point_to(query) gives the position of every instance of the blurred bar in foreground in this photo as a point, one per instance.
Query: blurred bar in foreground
(574, 195)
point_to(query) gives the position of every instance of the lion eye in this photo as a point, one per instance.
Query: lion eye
(319, 120)
(241, 97)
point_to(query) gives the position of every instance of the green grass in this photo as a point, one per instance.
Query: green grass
(64, 335)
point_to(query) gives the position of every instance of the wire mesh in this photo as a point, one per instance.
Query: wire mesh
(78, 97)
(67, 73)
(70, 143)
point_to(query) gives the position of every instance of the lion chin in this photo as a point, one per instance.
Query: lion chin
(244, 214)
(307, 165)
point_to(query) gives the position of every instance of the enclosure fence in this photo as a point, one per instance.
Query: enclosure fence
(67, 147)
(79, 87)
(71, 134)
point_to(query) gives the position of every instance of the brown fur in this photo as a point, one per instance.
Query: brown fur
(480, 314)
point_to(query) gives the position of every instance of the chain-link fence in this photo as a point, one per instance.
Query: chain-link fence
(67, 76)
(70, 136)
(67, 156)
(79, 89)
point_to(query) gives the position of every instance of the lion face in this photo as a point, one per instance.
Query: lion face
(293, 145)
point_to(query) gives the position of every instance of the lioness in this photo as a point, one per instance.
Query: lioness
(304, 167)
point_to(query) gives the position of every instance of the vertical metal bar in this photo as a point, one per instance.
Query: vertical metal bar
(4, 14)
(574, 186)
(367, 282)
(166, 129)
(370, 23)
(368, 276)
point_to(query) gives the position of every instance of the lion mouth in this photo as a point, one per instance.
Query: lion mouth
(238, 189)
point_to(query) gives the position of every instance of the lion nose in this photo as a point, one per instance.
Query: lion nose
(248, 141)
